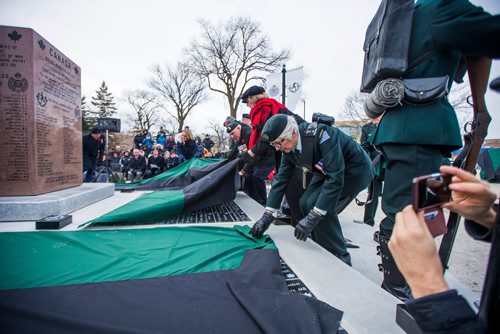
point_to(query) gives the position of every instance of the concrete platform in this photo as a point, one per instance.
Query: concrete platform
(26, 208)
(356, 291)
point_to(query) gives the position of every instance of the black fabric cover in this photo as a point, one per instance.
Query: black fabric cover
(177, 182)
(212, 188)
(251, 299)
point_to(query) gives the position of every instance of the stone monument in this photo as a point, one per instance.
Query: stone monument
(40, 119)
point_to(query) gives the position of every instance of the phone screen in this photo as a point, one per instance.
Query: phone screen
(434, 190)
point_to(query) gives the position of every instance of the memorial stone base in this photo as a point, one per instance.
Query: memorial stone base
(23, 208)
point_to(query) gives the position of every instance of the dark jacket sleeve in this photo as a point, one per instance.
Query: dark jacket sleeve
(280, 182)
(445, 312)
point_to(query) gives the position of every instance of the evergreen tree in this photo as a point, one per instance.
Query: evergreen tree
(88, 119)
(104, 102)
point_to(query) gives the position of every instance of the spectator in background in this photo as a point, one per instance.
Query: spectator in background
(138, 139)
(125, 163)
(200, 147)
(170, 143)
(161, 137)
(154, 165)
(118, 150)
(208, 143)
(245, 119)
(148, 142)
(173, 160)
(137, 166)
(90, 147)
(166, 156)
(187, 148)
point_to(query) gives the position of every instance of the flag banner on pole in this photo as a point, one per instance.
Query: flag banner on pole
(294, 80)
(159, 280)
(214, 187)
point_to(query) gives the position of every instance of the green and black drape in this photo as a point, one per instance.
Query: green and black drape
(158, 280)
(186, 189)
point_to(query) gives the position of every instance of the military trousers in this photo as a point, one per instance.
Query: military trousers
(371, 208)
(404, 162)
(328, 233)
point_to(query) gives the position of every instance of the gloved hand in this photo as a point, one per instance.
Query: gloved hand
(262, 225)
(249, 167)
(244, 156)
(307, 224)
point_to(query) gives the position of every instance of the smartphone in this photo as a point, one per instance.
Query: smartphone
(429, 192)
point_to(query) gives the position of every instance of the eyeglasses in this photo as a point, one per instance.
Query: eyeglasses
(278, 144)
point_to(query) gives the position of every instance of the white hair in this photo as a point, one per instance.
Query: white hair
(291, 127)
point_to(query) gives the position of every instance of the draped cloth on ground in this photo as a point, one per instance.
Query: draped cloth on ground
(161, 280)
(177, 177)
(212, 184)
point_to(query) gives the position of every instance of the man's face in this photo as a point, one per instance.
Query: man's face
(155, 153)
(96, 135)
(286, 145)
(236, 133)
(246, 121)
(136, 153)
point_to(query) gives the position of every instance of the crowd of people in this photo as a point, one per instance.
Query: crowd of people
(319, 170)
(150, 156)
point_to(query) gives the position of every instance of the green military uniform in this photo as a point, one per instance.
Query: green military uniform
(341, 170)
(413, 139)
(376, 187)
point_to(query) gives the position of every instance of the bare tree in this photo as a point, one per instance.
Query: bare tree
(181, 87)
(220, 132)
(146, 108)
(231, 54)
(353, 108)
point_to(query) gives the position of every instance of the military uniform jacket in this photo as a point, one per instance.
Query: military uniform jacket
(244, 140)
(449, 29)
(343, 161)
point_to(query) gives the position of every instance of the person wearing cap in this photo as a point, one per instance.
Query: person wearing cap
(335, 168)
(245, 118)
(90, 147)
(255, 181)
(262, 108)
(208, 143)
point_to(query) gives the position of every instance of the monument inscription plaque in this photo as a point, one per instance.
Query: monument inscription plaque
(40, 120)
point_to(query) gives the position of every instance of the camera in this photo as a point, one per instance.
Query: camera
(429, 192)
(323, 119)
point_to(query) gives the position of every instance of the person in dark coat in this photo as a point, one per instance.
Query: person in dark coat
(208, 143)
(138, 139)
(254, 184)
(125, 163)
(376, 185)
(170, 143)
(187, 148)
(436, 308)
(414, 138)
(90, 148)
(338, 170)
(154, 165)
(137, 166)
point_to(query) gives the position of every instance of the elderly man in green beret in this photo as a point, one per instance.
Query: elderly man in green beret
(335, 169)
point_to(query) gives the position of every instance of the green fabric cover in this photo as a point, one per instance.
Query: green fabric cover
(156, 205)
(46, 258)
(181, 169)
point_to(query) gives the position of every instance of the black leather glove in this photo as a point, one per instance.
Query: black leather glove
(244, 156)
(307, 224)
(262, 225)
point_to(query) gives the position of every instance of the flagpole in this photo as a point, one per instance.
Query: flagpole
(283, 84)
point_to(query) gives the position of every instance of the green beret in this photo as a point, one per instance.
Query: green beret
(274, 127)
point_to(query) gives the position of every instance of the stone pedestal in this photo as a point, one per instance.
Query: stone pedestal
(23, 208)
(40, 119)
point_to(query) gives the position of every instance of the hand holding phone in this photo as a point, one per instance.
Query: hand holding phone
(429, 192)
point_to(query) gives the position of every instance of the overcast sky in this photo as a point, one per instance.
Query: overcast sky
(119, 41)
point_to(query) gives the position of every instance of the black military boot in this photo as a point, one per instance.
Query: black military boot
(394, 281)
